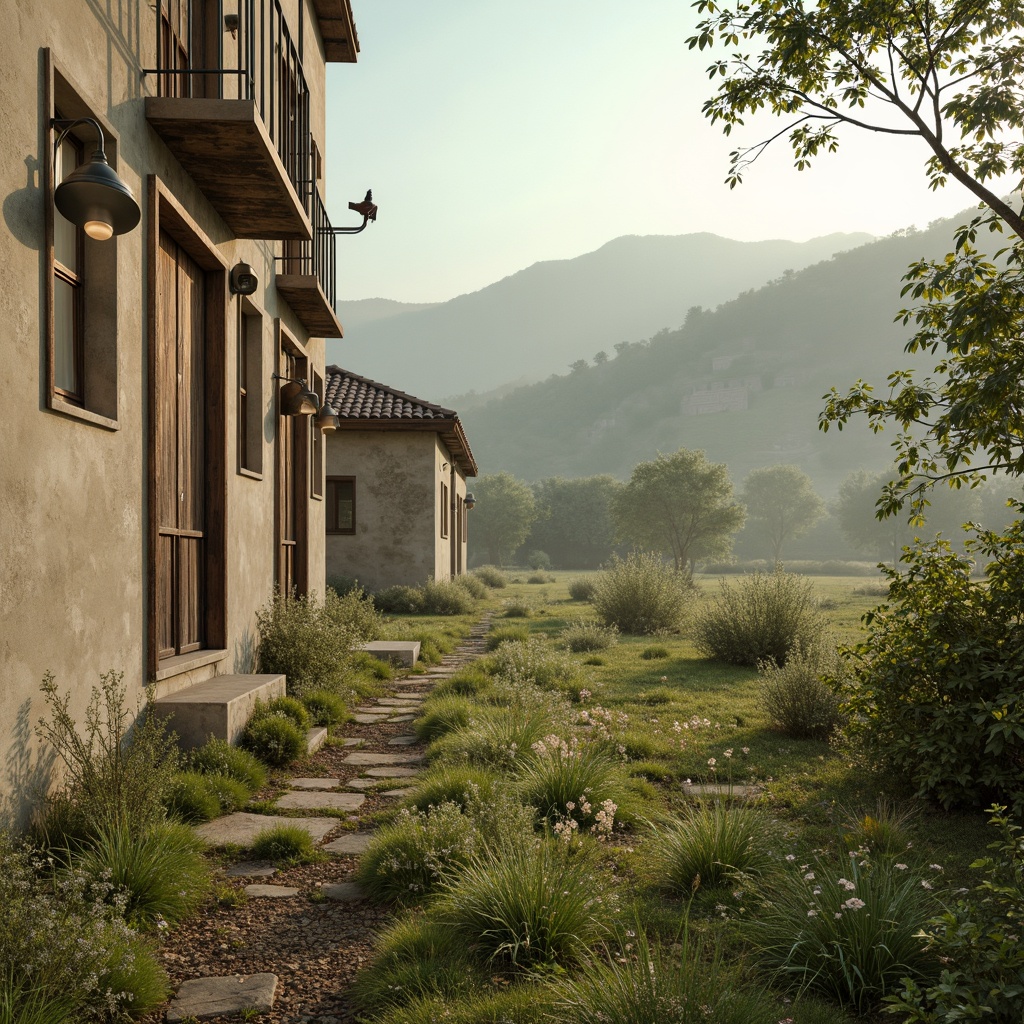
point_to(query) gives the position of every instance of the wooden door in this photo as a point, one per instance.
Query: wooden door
(180, 470)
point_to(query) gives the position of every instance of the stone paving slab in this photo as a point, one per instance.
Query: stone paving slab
(344, 892)
(370, 757)
(299, 801)
(391, 772)
(362, 783)
(352, 741)
(737, 792)
(398, 792)
(350, 843)
(402, 718)
(251, 869)
(273, 891)
(215, 997)
(243, 827)
(397, 702)
(314, 783)
(369, 719)
(402, 741)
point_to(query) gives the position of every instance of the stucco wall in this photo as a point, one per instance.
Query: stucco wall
(73, 503)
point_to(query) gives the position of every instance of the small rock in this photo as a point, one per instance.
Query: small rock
(273, 891)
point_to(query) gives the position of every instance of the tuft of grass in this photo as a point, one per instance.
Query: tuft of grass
(452, 783)
(582, 588)
(274, 739)
(885, 831)
(445, 597)
(468, 681)
(655, 652)
(583, 635)
(190, 798)
(594, 660)
(442, 715)
(325, 707)
(501, 738)
(517, 608)
(491, 576)
(286, 845)
(218, 757)
(506, 634)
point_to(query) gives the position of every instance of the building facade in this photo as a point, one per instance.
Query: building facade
(152, 493)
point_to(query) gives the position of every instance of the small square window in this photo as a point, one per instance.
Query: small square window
(341, 504)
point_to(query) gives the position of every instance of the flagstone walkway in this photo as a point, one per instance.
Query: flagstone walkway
(288, 942)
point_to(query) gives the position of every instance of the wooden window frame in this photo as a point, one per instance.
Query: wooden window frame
(250, 394)
(444, 511)
(331, 510)
(316, 443)
(75, 279)
(96, 314)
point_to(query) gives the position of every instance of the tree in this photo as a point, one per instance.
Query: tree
(503, 515)
(937, 70)
(574, 523)
(782, 503)
(680, 505)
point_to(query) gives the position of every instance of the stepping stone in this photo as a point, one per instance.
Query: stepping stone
(215, 997)
(737, 792)
(371, 711)
(391, 773)
(398, 792)
(242, 827)
(402, 741)
(362, 783)
(397, 702)
(315, 738)
(352, 741)
(368, 757)
(251, 869)
(314, 783)
(369, 719)
(296, 801)
(344, 892)
(350, 843)
(273, 891)
(402, 718)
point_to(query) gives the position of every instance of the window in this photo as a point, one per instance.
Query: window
(444, 510)
(316, 443)
(341, 504)
(81, 275)
(250, 389)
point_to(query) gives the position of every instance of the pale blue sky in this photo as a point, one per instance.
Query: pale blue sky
(495, 135)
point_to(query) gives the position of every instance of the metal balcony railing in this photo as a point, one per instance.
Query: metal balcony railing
(317, 257)
(245, 52)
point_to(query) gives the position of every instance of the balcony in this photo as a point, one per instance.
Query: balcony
(233, 108)
(306, 279)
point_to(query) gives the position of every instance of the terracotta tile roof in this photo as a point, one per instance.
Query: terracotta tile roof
(367, 404)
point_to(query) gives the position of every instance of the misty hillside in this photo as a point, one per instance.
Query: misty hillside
(743, 382)
(539, 320)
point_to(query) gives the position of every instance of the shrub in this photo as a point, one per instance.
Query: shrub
(468, 681)
(641, 595)
(517, 608)
(190, 797)
(501, 738)
(977, 942)
(795, 696)
(115, 773)
(538, 560)
(230, 793)
(710, 845)
(529, 904)
(595, 660)
(445, 597)
(375, 668)
(491, 576)
(283, 707)
(160, 875)
(353, 610)
(540, 577)
(582, 635)
(884, 832)
(761, 617)
(399, 600)
(476, 588)
(582, 588)
(285, 844)
(131, 969)
(656, 652)
(851, 933)
(452, 783)
(531, 661)
(274, 739)
(524, 1003)
(935, 692)
(299, 637)
(342, 584)
(443, 715)
(218, 757)
(499, 635)
(324, 707)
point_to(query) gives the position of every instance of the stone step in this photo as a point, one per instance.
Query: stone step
(398, 652)
(315, 738)
(220, 707)
(201, 998)
(242, 827)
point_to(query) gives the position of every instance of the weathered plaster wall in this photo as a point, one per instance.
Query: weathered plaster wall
(73, 512)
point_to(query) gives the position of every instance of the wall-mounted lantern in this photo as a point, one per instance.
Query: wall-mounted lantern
(328, 420)
(469, 501)
(92, 196)
(243, 280)
(295, 398)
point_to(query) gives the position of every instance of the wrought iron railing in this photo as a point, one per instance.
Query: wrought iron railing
(317, 257)
(245, 53)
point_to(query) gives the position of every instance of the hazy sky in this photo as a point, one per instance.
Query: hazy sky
(495, 135)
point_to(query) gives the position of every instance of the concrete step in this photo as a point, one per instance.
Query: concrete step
(220, 707)
(399, 652)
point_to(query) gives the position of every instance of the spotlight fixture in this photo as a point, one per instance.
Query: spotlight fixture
(469, 501)
(296, 399)
(328, 420)
(92, 196)
(243, 280)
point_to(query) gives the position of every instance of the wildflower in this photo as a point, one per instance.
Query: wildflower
(728, 753)
(935, 867)
(712, 762)
(900, 867)
(584, 694)
(926, 885)
(847, 884)
(746, 750)
(790, 857)
(812, 913)
(809, 877)
(854, 904)
(664, 679)
(687, 782)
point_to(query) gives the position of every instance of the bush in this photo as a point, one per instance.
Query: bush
(324, 707)
(710, 846)
(528, 904)
(476, 588)
(287, 845)
(517, 608)
(160, 875)
(446, 597)
(299, 637)
(353, 610)
(531, 661)
(656, 652)
(115, 774)
(342, 584)
(407, 859)
(538, 560)
(796, 698)
(761, 617)
(491, 576)
(641, 595)
(582, 635)
(499, 635)
(540, 577)
(501, 738)
(977, 942)
(230, 793)
(283, 707)
(218, 757)
(582, 588)
(850, 934)
(191, 798)
(524, 1003)
(274, 739)
(459, 784)
(935, 693)
(443, 715)
(468, 681)
(399, 600)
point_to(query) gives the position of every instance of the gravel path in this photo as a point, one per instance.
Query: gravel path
(314, 945)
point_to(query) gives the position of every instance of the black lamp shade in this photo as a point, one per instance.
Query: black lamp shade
(469, 501)
(328, 420)
(94, 198)
(297, 399)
